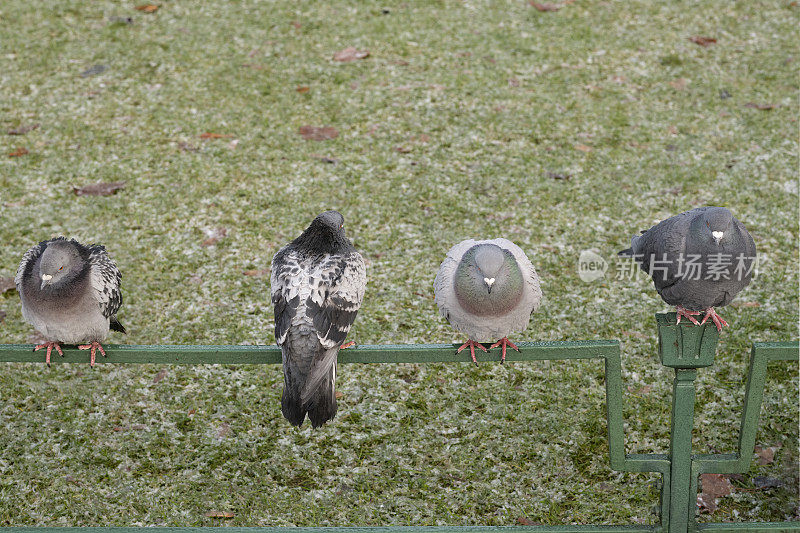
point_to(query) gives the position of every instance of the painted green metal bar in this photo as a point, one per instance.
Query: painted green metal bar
(403, 353)
(752, 527)
(680, 448)
(377, 529)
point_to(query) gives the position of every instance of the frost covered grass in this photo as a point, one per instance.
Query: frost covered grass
(458, 124)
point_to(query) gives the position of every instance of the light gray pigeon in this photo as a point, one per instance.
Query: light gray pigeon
(699, 260)
(318, 282)
(487, 289)
(70, 293)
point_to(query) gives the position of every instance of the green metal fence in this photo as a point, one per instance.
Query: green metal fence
(684, 348)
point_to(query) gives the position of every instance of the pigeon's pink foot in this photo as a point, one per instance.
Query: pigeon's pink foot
(504, 342)
(472, 345)
(93, 346)
(347, 345)
(49, 346)
(682, 311)
(718, 321)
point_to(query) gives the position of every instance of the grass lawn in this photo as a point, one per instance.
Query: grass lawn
(562, 131)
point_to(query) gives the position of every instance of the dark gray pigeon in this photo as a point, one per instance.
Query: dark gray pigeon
(317, 285)
(70, 293)
(698, 260)
(487, 289)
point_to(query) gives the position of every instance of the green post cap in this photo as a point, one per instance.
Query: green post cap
(685, 345)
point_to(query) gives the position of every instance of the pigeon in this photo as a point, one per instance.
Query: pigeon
(487, 289)
(698, 260)
(317, 285)
(70, 293)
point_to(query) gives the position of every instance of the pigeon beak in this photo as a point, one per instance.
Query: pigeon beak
(717, 236)
(489, 283)
(46, 280)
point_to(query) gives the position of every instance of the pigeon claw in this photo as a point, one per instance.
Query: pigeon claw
(504, 342)
(472, 345)
(93, 346)
(682, 311)
(49, 346)
(347, 345)
(718, 321)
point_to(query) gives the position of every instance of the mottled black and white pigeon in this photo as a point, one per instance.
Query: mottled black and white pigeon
(699, 260)
(70, 293)
(487, 289)
(318, 282)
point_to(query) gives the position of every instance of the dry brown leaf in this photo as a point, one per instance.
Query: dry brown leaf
(214, 236)
(208, 135)
(224, 431)
(219, 514)
(6, 284)
(523, 521)
(147, 8)
(339, 395)
(302, 89)
(318, 133)
(22, 130)
(762, 107)
(256, 273)
(702, 41)
(706, 503)
(766, 454)
(403, 149)
(18, 152)
(583, 148)
(715, 485)
(351, 53)
(161, 373)
(544, 7)
(679, 84)
(99, 189)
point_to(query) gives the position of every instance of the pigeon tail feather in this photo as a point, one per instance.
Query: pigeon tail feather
(322, 405)
(627, 252)
(116, 326)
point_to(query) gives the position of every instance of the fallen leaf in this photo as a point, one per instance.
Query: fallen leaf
(303, 89)
(208, 135)
(644, 389)
(20, 151)
(350, 54)
(138, 427)
(99, 189)
(558, 175)
(147, 8)
(702, 41)
(766, 483)
(161, 373)
(219, 514)
(544, 7)
(403, 149)
(523, 521)
(94, 70)
(422, 137)
(119, 428)
(766, 454)
(679, 84)
(339, 395)
(318, 133)
(256, 273)
(706, 503)
(224, 431)
(214, 236)
(762, 107)
(22, 130)
(7, 284)
(583, 148)
(715, 485)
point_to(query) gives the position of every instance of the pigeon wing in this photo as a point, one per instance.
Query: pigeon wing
(105, 279)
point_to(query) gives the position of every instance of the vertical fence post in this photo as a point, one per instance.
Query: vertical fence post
(685, 348)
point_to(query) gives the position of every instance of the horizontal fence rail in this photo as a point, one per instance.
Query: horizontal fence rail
(679, 468)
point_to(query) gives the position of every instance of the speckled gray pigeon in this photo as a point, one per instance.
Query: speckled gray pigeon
(487, 289)
(699, 260)
(70, 293)
(318, 282)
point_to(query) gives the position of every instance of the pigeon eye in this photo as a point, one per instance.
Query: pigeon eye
(60, 268)
(341, 225)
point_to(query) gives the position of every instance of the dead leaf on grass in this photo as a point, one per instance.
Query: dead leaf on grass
(583, 148)
(147, 8)
(213, 236)
(766, 454)
(702, 41)
(6, 284)
(20, 151)
(544, 7)
(256, 273)
(219, 514)
(22, 130)
(679, 84)
(161, 373)
(209, 135)
(99, 189)
(762, 107)
(351, 53)
(714, 486)
(318, 133)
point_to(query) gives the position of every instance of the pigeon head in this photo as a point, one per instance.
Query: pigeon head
(61, 261)
(325, 234)
(714, 226)
(488, 280)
